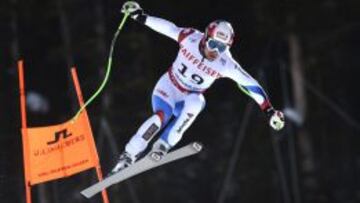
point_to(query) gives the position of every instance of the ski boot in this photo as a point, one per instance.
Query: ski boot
(124, 161)
(159, 150)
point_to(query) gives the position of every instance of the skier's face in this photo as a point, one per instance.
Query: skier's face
(213, 48)
(211, 55)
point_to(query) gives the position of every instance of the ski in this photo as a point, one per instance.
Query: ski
(150, 161)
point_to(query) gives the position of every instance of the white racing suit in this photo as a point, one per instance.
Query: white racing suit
(178, 93)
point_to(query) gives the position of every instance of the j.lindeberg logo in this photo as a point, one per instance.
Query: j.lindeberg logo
(62, 133)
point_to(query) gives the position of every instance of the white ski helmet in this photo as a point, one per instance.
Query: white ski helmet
(221, 31)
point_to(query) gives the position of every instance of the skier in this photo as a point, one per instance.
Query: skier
(202, 58)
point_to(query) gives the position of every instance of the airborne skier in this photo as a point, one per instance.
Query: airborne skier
(202, 58)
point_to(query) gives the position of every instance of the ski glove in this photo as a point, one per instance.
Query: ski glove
(277, 120)
(134, 10)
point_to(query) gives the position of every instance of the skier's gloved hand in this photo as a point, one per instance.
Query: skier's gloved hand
(277, 119)
(134, 10)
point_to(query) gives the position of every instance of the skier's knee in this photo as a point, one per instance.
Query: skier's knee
(162, 109)
(195, 103)
(164, 118)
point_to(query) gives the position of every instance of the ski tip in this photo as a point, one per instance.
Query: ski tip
(83, 193)
(197, 146)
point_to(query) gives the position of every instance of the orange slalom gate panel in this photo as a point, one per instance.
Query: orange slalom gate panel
(60, 150)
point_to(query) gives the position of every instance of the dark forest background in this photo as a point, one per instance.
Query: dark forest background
(305, 54)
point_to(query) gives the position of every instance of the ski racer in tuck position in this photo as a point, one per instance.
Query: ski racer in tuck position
(202, 58)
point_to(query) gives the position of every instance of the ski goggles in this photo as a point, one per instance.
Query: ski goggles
(213, 44)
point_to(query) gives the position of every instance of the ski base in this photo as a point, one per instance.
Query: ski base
(150, 161)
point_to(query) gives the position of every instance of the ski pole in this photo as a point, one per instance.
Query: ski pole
(108, 69)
